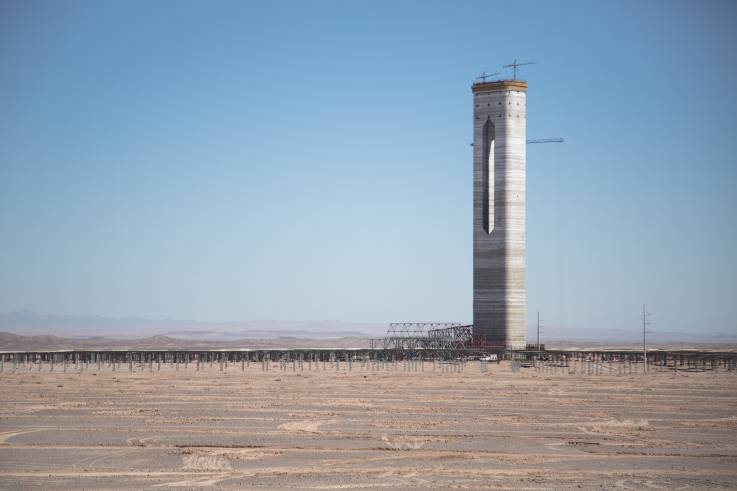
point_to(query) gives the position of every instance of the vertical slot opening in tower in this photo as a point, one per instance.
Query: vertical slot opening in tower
(488, 178)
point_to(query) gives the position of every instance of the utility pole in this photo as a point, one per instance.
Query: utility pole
(645, 323)
(538, 330)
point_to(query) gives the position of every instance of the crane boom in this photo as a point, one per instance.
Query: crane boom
(543, 140)
(514, 66)
(546, 140)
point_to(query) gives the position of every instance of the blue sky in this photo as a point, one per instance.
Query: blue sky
(311, 160)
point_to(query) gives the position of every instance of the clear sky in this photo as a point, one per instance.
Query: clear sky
(311, 160)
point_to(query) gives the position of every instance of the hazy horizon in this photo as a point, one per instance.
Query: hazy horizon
(29, 323)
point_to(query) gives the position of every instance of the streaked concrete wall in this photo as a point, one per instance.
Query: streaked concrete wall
(499, 296)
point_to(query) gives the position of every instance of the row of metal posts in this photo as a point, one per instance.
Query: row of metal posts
(370, 364)
(576, 363)
(142, 360)
(629, 363)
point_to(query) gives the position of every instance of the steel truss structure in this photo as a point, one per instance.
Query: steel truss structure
(436, 336)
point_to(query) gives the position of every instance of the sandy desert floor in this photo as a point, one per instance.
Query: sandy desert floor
(366, 428)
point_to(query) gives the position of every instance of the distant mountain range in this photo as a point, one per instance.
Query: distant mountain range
(16, 342)
(29, 323)
(553, 335)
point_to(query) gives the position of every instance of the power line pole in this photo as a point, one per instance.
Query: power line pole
(538, 330)
(645, 323)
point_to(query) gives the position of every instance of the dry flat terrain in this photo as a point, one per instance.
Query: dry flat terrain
(322, 429)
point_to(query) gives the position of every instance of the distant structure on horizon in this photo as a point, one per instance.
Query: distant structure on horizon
(499, 159)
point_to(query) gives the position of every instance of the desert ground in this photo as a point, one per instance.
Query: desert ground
(397, 426)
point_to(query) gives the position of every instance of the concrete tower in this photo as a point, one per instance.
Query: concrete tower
(499, 146)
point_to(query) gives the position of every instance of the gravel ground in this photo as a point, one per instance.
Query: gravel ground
(404, 426)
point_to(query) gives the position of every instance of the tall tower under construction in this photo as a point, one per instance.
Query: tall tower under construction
(499, 155)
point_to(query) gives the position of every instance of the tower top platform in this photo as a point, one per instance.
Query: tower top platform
(519, 85)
